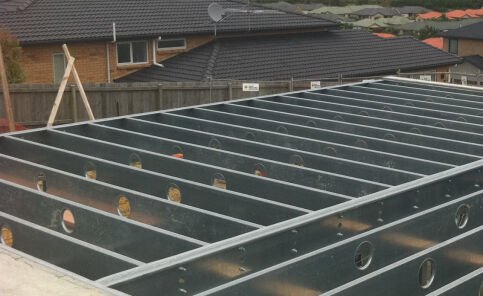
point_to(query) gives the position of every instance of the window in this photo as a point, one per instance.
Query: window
(169, 44)
(453, 46)
(133, 52)
(58, 62)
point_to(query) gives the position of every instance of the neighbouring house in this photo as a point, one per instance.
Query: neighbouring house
(373, 25)
(381, 23)
(464, 14)
(432, 15)
(351, 53)
(466, 42)
(412, 11)
(384, 35)
(375, 13)
(111, 39)
(414, 28)
(297, 7)
(346, 11)
(469, 72)
(435, 42)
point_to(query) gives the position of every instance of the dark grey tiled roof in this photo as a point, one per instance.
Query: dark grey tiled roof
(438, 25)
(475, 60)
(77, 20)
(13, 5)
(374, 11)
(310, 55)
(412, 9)
(474, 31)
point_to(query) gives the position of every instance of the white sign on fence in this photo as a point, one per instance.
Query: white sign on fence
(464, 80)
(425, 77)
(314, 84)
(251, 87)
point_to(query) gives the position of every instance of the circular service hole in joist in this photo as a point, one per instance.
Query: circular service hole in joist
(90, 171)
(439, 124)
(361, 144)
(214, 143)
(338, 118)
(219, 181)
(260, 170)
(364, 254)
(135, 161)
(331, 151)
(427, 272)
(6, 236)
(250, 136)
(311, 123)
(41, 182)
(462, 216)
(178, 152)
(68, 221)
(282, 130)
(174, 193)
(297, 160)
(124, 207)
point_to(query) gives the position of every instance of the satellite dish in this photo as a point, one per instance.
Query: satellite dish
(216, 12)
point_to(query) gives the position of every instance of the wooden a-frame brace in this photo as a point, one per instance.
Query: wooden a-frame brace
(68, 70)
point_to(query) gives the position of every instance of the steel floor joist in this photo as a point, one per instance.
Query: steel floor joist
(372, 188)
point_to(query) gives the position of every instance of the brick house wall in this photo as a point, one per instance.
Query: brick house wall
(466, 47)
(91, 59)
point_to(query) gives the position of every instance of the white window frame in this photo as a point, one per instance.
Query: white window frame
(171, 48)
(131, 53)
(53, 66)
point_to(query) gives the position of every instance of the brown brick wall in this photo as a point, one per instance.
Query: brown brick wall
(91, 60)
(466, 47)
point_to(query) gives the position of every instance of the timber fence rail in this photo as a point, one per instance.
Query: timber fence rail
(33, 102)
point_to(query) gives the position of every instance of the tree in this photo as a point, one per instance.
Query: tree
(12, 53)
(427, 32)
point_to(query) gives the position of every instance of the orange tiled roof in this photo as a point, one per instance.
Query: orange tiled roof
(385, 35)
(456, 14)
(430, 15)
(474, 12)
(435, 42)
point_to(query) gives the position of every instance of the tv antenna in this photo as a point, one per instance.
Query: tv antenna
(218, 14)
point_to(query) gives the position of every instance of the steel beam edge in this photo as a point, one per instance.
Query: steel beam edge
(73, 186)
(191, 170)
(469, 284)
(330, 261)
(278, 210)
(279, 228)
(400, 283)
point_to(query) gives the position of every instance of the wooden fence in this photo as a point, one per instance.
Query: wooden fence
(33, 102)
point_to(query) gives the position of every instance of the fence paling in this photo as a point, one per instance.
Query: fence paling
(32, 102)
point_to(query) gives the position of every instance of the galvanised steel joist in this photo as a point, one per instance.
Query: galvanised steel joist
(373, 188)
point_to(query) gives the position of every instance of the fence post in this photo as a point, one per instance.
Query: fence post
(478, 78)
(339, 79)
(75, 114)
(291, 84)
(230, 90)
(159, 101)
